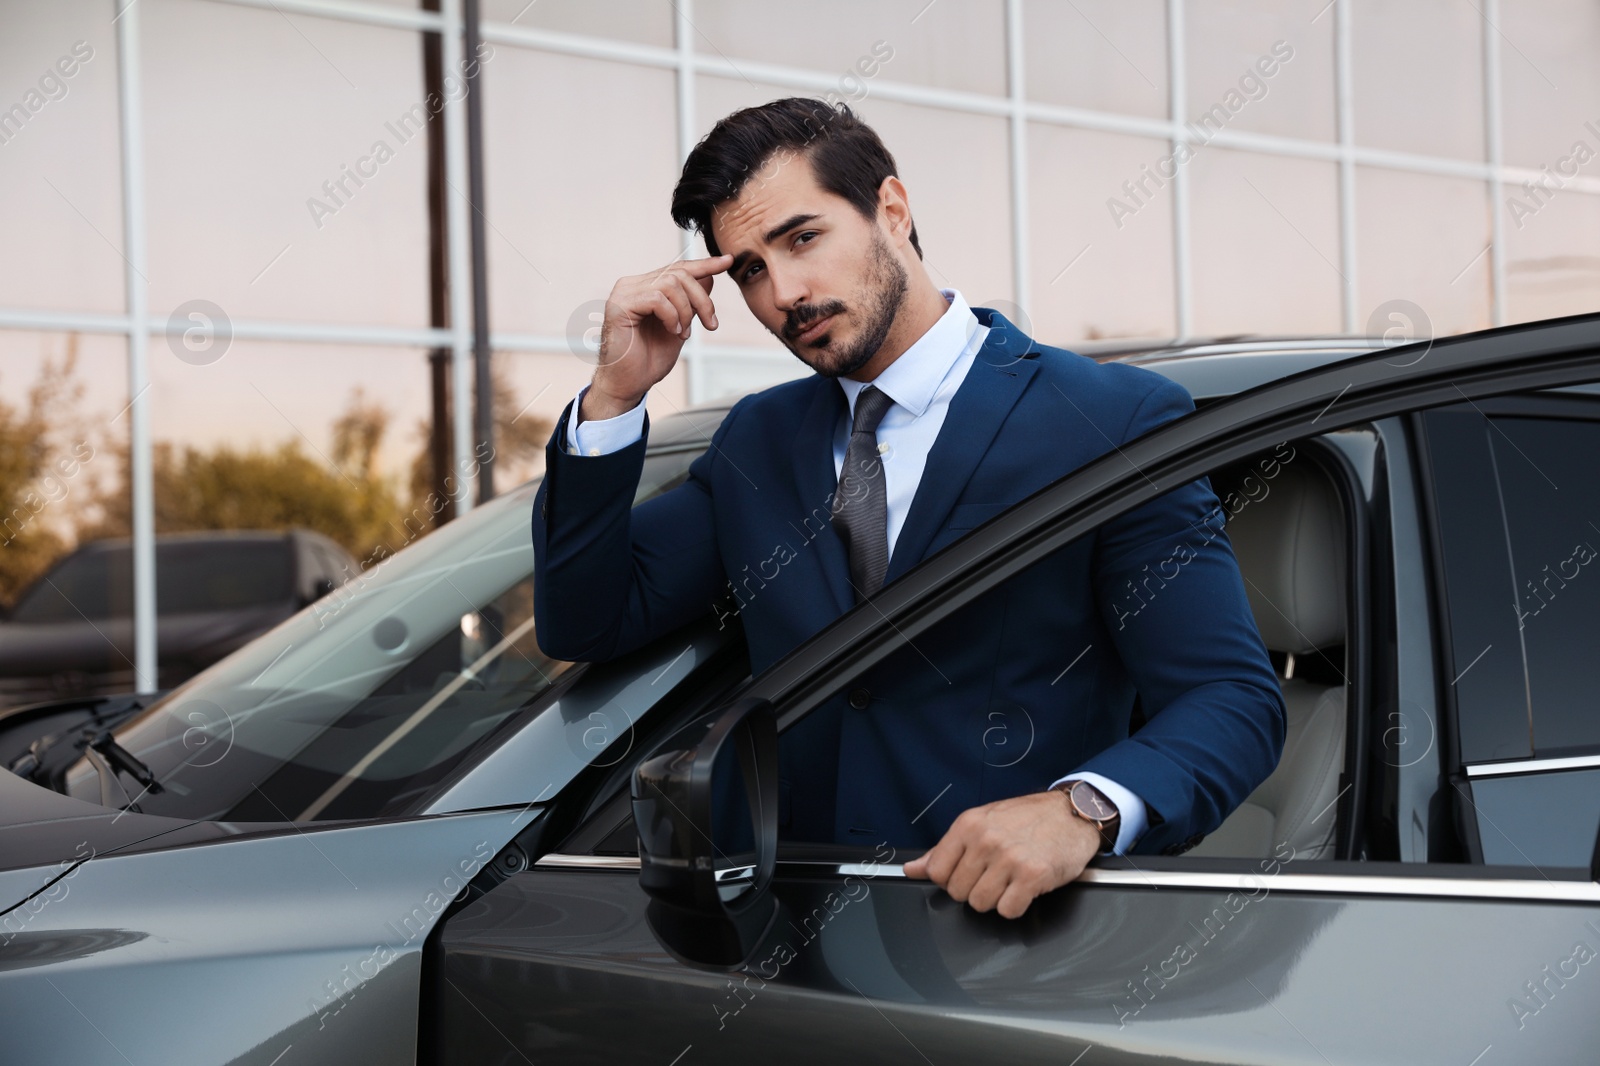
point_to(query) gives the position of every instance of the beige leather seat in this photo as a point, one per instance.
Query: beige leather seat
(1290, 545)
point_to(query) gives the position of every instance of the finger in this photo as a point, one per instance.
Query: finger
(941, 861)
(673, 309)
(1015, 900)
(698, 299)
(968, 872)
(989, 889)
(703, 268)
(917, 867)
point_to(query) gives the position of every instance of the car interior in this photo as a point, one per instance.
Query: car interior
(1288, 534)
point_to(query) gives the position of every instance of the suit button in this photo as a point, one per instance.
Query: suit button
(1180, 848)
(859, 698)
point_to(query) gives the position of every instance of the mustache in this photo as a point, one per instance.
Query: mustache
(807, 315)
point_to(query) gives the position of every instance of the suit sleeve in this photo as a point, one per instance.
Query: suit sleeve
(609, 577)
(1169, 591)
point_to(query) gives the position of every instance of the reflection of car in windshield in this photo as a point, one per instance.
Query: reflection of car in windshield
(407, 836)
(71, 631)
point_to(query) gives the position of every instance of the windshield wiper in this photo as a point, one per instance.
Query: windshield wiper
(114, 757)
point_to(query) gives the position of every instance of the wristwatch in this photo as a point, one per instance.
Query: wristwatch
(1092, 805)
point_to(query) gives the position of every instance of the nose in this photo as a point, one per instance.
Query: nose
(789, 287)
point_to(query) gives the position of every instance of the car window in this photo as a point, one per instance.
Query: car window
(1518, 515)
(1519, 525)
(204, 575)
(372, 694)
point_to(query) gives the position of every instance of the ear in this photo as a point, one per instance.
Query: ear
(894, 207)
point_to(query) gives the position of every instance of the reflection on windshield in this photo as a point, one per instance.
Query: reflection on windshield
(357, 706)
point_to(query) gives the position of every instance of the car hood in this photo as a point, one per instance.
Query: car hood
(44, 836)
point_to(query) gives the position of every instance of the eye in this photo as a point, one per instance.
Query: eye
(749, 272)
(804, 237)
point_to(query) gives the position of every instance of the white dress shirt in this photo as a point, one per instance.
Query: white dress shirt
(921, 382)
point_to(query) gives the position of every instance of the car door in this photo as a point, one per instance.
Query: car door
(1380, 955)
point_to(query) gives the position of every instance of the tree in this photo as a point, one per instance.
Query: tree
(354, 503)
(42, 455)
(277, 488)
(518, 437)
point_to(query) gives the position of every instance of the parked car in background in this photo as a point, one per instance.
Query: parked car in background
(393, 831)
(70, 633)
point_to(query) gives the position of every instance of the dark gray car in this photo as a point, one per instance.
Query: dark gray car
(70, 633)
(392, 831)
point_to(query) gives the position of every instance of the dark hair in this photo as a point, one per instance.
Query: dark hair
(845, 154)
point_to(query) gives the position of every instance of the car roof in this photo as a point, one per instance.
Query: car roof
(1209, 367)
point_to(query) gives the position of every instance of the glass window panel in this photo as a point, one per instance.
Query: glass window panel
(1418, 76)
(49, 496)
(258, 128)
(960, 199)
(640, 21)
(1095, 272)
(542, 383)
(1491, 691)
(1105, 55)
(60, 159)
(1538, 819)
(1267, 64)
(1551, 486)
(1551, 243)
(952, 46)
(1265, 232)
(1549, 81)
(580, 159)
(77, 424)
(1424, 239)
(264, 395)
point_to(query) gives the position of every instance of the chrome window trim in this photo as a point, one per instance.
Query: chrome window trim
(1533, 766)
(1526, 890)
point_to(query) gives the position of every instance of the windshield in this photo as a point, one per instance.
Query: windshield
(198, 575)
(360, 703)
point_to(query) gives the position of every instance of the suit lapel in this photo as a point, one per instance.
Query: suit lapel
(998, 377)
(815, 478)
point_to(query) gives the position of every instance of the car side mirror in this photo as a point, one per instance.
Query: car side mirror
(706, 808)
(319, 589)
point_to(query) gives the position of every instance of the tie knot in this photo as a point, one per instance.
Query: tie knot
(871, 405)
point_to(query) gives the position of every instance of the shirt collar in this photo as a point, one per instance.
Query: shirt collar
(911, 380)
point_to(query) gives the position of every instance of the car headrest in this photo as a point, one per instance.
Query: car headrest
(1288, 534)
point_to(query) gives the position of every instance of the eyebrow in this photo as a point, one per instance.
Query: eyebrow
(771, 235)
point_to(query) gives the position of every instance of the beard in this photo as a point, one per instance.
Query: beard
(882, 296)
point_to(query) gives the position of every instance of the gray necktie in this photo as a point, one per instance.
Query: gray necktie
(861, 505)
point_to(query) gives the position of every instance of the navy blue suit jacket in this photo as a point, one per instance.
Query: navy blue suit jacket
(983, 706)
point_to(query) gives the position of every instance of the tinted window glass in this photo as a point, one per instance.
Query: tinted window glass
(196, 576)
(1538, 819)
(1549, 473)
(1491, 695)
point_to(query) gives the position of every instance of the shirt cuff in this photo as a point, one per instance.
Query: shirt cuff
(602, 436)
(1134, 820)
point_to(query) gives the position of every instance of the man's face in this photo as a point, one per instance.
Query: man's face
(823, 279)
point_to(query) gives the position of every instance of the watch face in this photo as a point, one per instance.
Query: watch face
(1092, 802)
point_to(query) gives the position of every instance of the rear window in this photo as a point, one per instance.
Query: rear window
(97, 583)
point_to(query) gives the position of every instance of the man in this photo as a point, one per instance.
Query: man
(924, 418)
